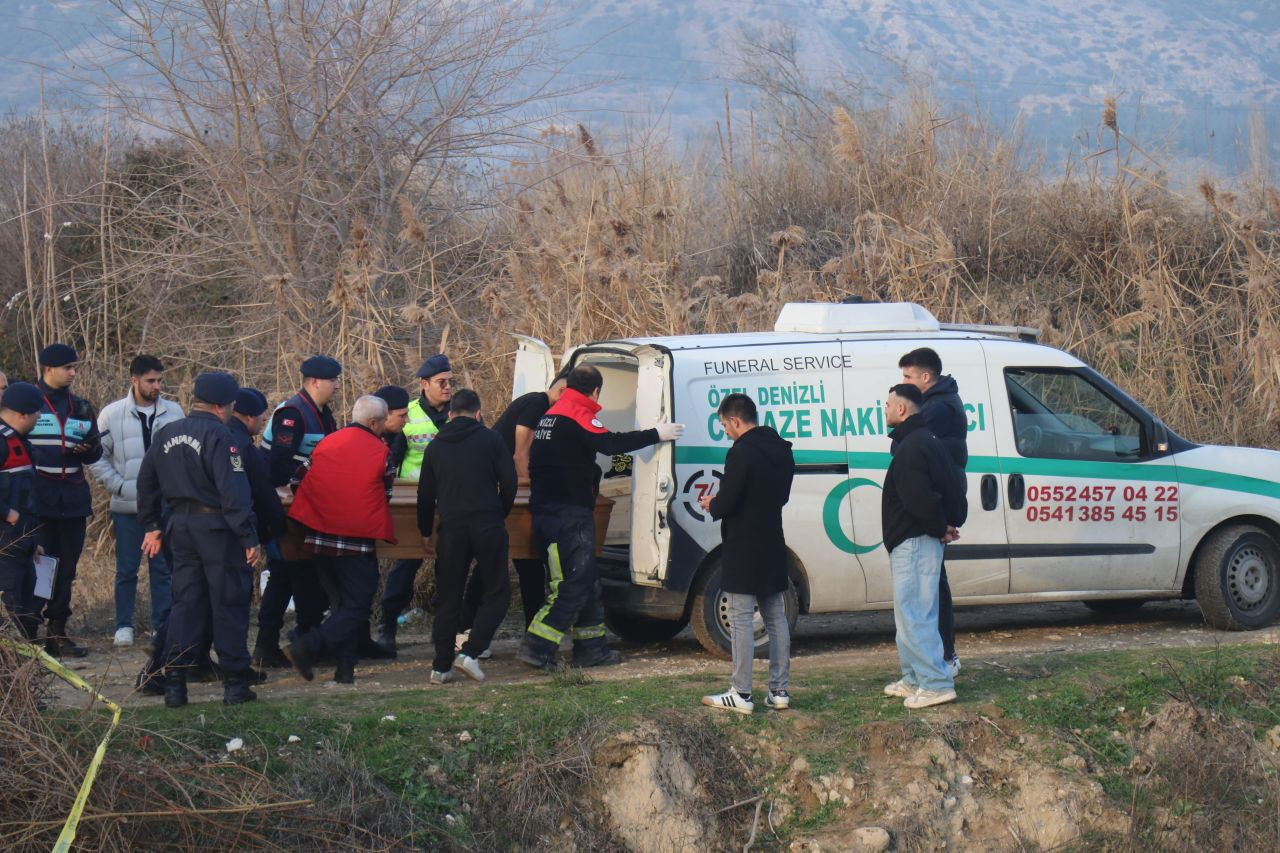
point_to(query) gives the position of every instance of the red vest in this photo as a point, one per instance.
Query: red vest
(344, 493)
(580, 408)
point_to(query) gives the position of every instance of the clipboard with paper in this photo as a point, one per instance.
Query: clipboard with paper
(46, 574)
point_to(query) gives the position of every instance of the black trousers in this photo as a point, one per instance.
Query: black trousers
(398, 591)
(485, 543)
(351, 582)
(946, 617)
(296, 579)
(568, 534)
(211, 582)
(18, 577)
(532, 576)
(62, 538)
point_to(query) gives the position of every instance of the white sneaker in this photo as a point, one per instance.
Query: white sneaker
(901, 689)
(124, 636)
(730, 700)
(470, 667)
(928, 698)
(779, 701)
(953, 666)
(446, 677)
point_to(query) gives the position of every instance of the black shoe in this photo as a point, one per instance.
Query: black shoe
(149, 683)
(175, 687)
(269, 657)
(235, 688)
(298, 655)
(256, 676)
(58, 644)
(369, 650)
(600, 655)
(387, 634)
(345, 673)
(535, 657)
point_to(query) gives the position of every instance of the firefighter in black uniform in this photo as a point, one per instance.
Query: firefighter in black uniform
(195, 466)
(295, 428)
(19, 408)
(564, 479)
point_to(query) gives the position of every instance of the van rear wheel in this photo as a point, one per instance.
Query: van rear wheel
(709, 616)
(639, 629)
(1238, 578)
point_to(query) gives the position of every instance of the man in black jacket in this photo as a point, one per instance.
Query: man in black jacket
(921, 507)
(468, 470)
(943, 412)
(564, 478)
(753, 561)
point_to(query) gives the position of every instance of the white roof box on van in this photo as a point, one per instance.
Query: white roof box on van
(831, 317)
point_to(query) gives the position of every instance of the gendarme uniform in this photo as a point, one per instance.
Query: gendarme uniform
(296, 427)
(65, 440)
(18, 496)
(195, 466)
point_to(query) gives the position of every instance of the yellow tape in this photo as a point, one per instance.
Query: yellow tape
(68, 833)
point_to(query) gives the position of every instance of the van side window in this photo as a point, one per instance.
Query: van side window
(1060, 414)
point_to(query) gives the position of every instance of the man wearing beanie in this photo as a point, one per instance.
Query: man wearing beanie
(64, 440)
(296, 427)
(196, 467)
(126, 426)
(427, 413)
(19, 408)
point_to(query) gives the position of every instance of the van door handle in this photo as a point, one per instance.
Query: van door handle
(990, 491)
(1017, 491)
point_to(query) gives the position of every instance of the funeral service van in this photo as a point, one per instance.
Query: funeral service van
(1076, 492)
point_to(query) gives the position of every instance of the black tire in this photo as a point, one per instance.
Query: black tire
(1114, 605)
(709, 616)
(640, 629)
(1237, 578)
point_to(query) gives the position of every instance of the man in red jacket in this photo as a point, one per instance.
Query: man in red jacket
(341, 498)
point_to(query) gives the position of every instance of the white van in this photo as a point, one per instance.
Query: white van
(1075, 490)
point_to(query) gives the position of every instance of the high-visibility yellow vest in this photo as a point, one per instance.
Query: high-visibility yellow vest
(418, 433)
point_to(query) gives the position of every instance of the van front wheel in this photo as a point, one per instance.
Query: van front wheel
(1238, 578)
(709, 616)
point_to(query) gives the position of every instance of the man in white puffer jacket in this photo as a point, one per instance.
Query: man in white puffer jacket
(126, 426)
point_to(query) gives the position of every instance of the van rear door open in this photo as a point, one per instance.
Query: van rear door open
(534, 366)
(653, 471)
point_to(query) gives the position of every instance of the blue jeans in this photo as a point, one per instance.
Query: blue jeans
(916, 565)
(129, 534)
(741, 615)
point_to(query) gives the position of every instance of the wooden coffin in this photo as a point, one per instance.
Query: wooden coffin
(404, 515)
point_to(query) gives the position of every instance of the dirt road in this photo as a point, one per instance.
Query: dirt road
(987, 636)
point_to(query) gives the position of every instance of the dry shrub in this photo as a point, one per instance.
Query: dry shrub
(158, 794)
(552, 802)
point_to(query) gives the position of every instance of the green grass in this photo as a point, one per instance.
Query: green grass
(1081, 699)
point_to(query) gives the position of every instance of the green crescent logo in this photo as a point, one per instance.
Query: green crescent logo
(831, 516)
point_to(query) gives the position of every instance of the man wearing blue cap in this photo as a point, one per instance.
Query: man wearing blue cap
(195, 466)
(427, 414)
(64, 440)
(19, 409)
(296, 427)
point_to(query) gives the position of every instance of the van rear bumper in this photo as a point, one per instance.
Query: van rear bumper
(622, 596)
